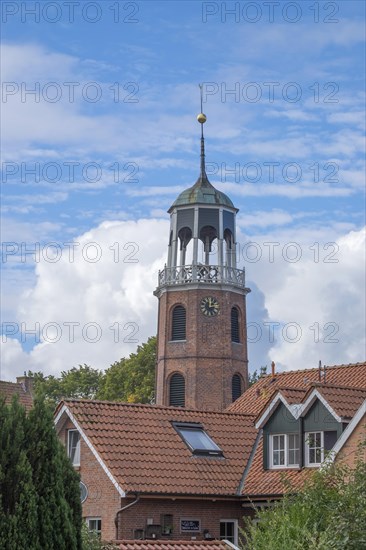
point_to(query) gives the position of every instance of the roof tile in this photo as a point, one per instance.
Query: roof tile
(256, 398)
(144, 453)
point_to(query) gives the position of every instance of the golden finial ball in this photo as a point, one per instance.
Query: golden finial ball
(201, 118)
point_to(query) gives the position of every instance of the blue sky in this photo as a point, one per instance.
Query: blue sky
(112, 136)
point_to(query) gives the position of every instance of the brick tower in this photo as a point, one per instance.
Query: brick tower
(202, 347)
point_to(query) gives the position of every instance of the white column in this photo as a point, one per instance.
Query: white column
(174, 241)
(195, 237)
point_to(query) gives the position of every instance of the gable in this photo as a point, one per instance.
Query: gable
(281, 421)
(319, 418)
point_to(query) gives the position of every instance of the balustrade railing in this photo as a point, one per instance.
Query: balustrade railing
(186, 274)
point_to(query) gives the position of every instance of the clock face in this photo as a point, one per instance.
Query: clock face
(210, 306)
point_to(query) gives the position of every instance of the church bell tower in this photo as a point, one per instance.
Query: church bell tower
(202, 358)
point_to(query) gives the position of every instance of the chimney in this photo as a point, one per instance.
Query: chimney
(26, 382)
(273, 368)
(320, 371)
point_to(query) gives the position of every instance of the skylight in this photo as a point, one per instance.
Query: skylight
(197, 440)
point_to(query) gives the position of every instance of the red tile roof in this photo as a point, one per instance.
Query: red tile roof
(261, 482)
(343, 400)
(145, 454)
(257, 397)
(9, 389)
(172, 545)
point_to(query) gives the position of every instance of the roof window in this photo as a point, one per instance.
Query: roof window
(196, 439)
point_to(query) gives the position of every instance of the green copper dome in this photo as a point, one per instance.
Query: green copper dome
(202, 192)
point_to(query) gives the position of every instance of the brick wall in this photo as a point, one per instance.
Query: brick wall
(103, 499)
(208, 512)
(208, 358)
(348, 453)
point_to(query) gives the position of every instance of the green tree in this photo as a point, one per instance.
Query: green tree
(255, 376)
(57, 484)
(78, 382)
(329, 513)
(40, 506)
(132, 379)
(18, 499)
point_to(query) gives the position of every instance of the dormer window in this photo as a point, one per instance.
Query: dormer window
(284, 451)
(197, 440)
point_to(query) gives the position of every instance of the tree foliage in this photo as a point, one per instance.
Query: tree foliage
(255, 376)
(40, 506)
(131, 379)
(329, 513)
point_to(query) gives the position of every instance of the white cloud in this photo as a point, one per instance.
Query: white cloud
(112, 292)
(98, 296)
(327, 303)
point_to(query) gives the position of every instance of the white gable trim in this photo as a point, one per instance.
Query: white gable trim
(296, 409)
(346, 434)
(67, 411)
(310, 400)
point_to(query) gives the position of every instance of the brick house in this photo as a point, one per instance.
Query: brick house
(190, 467)
(23, 388)
(172, 473)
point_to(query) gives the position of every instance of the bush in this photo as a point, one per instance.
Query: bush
(329, 513)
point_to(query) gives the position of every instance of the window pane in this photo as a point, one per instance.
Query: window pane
(315, 451)
(198, 439)
(227, 531)
(74, 446)
(293, 449)
(278, 442)
(278, 458)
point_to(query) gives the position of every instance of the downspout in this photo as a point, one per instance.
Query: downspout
(122, 510)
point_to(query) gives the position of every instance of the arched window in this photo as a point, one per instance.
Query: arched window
(177, 391)
(179, 323)
(236, 387)
(235, 333)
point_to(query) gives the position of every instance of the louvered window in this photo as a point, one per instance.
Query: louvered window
(235, 336)
(179, 323)
(236, 387)
(177, 391)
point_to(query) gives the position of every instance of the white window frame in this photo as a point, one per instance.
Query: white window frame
(77, 452)
(307, 449)
(286, 465)
(96, 518)
(235, 522)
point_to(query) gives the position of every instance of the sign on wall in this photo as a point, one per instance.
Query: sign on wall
(190, 525)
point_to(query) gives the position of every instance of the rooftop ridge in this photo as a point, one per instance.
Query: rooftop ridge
(315, 369)
(154, 407)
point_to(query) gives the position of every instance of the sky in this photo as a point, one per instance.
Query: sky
(99, 136)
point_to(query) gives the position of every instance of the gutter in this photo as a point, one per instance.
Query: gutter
(122, 510)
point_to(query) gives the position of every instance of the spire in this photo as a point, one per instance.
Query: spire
(202, 119)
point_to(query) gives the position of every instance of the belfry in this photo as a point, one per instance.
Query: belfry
(202, 358)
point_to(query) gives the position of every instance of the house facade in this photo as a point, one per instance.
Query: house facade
(22, 388)
(172, 473)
